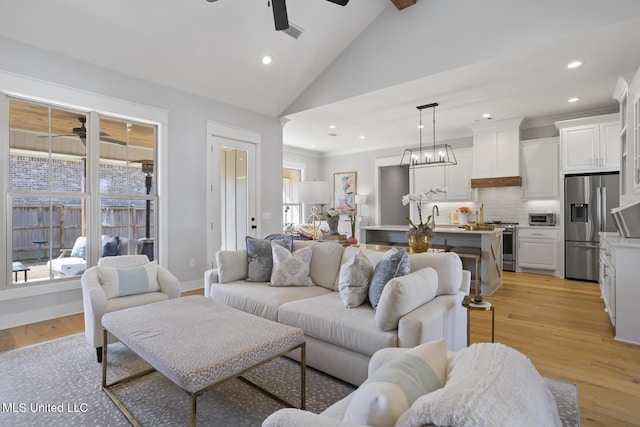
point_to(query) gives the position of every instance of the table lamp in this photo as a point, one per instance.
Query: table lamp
(314, 193)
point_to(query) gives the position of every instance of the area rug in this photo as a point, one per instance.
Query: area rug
(57, 383)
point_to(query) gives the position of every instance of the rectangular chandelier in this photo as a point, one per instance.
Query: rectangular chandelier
(428, 156)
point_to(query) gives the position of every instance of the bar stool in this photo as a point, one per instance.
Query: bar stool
(474, 254)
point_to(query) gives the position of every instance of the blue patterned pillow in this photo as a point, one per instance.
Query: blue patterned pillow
(394, 263)
(260, 257)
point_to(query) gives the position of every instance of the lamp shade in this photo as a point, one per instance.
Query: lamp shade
(313, 192)
(361, 199)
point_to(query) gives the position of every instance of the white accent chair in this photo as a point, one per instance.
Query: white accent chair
(96, 303)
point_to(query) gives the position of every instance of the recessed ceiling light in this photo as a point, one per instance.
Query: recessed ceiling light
(266, 60)
(574, 99)
(574, 64)
(332, 126)
(486, 115)
(420, 126)
(361, 137)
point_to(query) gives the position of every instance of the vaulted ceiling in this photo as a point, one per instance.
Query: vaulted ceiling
(363, 67)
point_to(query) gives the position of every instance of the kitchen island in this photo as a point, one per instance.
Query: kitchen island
(489, 242)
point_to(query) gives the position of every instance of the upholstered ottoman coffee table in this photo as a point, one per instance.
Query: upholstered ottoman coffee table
(198, 343)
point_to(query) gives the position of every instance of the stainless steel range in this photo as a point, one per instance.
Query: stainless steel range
(509, 244)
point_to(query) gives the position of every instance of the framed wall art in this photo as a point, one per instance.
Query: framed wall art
(344, 191)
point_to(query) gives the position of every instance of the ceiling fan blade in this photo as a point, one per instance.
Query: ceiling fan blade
(280, 14)
(340, 2)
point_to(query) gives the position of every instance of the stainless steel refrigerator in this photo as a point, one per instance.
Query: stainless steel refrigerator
(588, 203)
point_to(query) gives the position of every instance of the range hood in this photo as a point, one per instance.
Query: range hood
(506, 181)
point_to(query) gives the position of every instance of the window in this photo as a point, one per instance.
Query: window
(76, 195)
(292, 209)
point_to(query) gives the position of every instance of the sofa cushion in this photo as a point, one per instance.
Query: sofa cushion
(448, 266)
(110, 246)
(325, 318)
(325, 263)
(394, 263)
(79, 249)
(479, 376)
(119, 282)
(232, 265)
(403, 295)
(391, 389)
(291, 269)
(354, 279)
(259, 299)
(260, 257)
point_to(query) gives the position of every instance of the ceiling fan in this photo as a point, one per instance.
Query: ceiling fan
(279, 7)
(81, 132)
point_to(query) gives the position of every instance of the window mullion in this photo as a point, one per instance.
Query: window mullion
(92, 188)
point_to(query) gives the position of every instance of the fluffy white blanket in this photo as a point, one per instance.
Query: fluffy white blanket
(487, 385)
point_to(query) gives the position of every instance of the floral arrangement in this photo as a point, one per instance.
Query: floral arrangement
(422, 229)
(464, 209)
(331, 213)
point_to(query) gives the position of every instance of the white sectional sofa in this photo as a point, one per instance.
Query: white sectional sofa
(341, 341)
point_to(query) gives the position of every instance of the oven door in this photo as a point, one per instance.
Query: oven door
(508, 250)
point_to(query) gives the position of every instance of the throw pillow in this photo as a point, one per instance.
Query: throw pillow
(355, 276)
(487, 384)
(291, 269)
(110, 246)
(403, 295)
(260, 257)
(394, 263)
(392, 389)
(232, 265)
(325, 263)
(448, 266)
(119, 282)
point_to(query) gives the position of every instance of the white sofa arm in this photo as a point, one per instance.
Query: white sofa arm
(290, 417)
(169, 284)
(465, 287)
(94, 301)
(210, 277)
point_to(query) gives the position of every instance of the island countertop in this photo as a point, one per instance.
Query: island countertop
(439, 229)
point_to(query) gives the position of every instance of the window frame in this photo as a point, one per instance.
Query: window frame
(30, 90)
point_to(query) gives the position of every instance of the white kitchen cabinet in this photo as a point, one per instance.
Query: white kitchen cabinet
(458, 177)
(621, 292)
(538, 248)
(496, 149)
(427, 177)
(540, 168)
(590, 144)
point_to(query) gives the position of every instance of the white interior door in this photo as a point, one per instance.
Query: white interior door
(233, 200)
(237, 194)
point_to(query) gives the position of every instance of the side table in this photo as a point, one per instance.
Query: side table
(482, 306)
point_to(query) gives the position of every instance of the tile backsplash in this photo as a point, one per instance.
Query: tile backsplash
(500, 203)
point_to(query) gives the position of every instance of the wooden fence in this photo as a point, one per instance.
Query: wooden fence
(57, 227)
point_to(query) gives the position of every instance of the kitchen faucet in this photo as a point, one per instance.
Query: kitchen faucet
(434, 211)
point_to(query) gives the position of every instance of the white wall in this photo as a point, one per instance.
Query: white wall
(186, 192)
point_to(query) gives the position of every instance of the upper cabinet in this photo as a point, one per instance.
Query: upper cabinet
(629, 138)
(540, 168)
(591, 144)
(496, 149)
(456, 178)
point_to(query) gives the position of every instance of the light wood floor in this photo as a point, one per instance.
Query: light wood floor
(559, 324)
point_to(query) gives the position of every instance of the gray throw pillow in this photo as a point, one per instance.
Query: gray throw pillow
(260, 257)
(394, 263)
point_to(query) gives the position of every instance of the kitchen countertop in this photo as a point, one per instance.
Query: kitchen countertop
(439, 229)
(616, 240)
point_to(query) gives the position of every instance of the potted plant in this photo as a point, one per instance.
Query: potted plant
(420, 235)
(333, 217)
(463, 212)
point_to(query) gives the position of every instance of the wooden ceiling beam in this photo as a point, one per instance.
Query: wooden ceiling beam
(401, 4)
